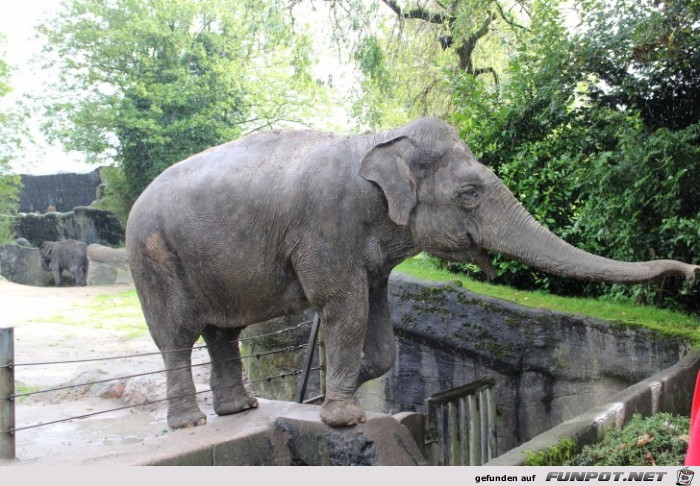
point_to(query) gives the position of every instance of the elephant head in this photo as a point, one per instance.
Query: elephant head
(457, 209)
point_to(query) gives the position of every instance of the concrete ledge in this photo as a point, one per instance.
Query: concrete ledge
(274, 434)
(667, 391)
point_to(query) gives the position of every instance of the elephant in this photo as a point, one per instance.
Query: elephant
(70, 255)
(285, 220)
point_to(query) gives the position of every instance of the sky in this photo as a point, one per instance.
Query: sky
(17, 21)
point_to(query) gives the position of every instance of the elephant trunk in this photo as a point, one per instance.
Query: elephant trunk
(517, 235)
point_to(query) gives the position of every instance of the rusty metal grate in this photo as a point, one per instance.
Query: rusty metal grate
(461, 424)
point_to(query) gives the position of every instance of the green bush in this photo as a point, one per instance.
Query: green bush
(659, 440)
(10, 185)
(554, 456)
(116, 197)
(616, 172)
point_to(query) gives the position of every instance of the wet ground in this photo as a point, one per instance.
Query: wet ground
(54, 325)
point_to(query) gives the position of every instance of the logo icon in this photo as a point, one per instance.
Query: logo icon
(684, 477)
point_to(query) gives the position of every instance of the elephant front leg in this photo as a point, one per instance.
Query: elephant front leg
(344, 322)
(56, 272)
(379, 352)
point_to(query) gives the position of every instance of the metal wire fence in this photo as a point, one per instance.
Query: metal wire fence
(8, 397)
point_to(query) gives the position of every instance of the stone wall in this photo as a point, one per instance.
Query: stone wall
(62, 192)
(86, 224)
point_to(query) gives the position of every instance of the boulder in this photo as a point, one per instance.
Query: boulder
(107, 265)
(22, 265)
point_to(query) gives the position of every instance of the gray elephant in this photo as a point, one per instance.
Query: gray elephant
(70, 255)
(284, 220)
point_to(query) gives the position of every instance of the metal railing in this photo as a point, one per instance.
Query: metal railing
(461, 425)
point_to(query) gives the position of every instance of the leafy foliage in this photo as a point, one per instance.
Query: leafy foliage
(659, 440)
(10, 142)
(406, 51)
(150, 83)
(599, 143)
(646, 56)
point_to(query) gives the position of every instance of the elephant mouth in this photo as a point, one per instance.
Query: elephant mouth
(472, 254)
(482, 260)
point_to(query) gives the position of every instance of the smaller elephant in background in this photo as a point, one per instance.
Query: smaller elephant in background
(70, 255)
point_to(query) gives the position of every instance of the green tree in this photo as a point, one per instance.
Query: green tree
(10, 142)
(641, 60)
(147, 84)
(597, 134)
(406, 51)
(645, 55)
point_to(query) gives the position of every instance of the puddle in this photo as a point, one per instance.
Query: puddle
(111, 441)
(104, 431)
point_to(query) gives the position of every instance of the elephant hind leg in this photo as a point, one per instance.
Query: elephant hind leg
(79, 275)
(230, 393)
(172, 319)
(175, 341)
(183, 410)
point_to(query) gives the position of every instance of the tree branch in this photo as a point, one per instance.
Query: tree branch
(486, 70)
(416, 13)
(467, 50)
(506, 19)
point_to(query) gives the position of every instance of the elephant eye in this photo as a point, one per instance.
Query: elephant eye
(468, 195)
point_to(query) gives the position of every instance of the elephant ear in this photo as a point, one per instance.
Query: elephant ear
(388, 164)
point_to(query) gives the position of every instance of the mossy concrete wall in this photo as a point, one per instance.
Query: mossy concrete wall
(549, 366)
(670, 391)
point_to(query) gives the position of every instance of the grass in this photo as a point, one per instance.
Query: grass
(21, 388)
(120, 312)
(664, 321)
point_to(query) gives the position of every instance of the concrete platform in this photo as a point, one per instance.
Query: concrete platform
(274, 434)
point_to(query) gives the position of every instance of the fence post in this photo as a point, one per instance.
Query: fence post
(304, 378)
(322, 361)
(7, 391)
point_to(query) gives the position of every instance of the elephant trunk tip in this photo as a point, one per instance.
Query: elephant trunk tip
(690, 272)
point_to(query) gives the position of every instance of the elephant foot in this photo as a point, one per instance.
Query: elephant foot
(186, 420)
(342, 413)
(234, 404)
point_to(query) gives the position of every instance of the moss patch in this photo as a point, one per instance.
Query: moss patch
(665, 322)
(554, 456)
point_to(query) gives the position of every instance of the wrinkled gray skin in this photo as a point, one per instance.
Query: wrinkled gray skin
(281, 221)
(70, 255)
